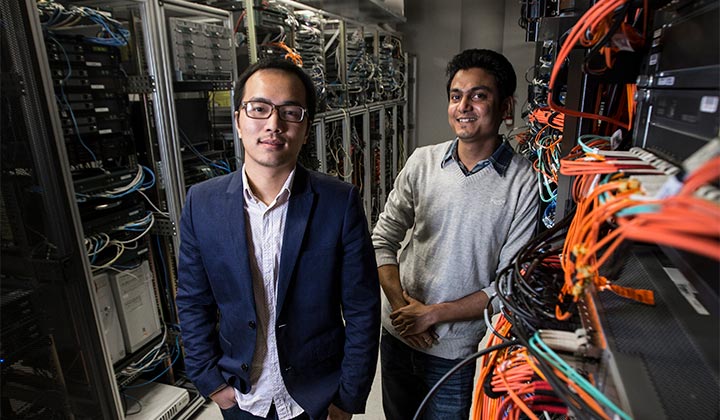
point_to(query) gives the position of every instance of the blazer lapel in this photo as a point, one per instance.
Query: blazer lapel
(236, 223)
(299, 206)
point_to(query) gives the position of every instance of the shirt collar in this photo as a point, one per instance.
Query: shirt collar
(500, 159)
(283, 195)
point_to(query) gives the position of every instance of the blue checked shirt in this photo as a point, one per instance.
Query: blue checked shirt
(500, 159)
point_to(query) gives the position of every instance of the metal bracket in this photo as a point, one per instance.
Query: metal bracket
(141, 84)
(222, 85)
(163, 226)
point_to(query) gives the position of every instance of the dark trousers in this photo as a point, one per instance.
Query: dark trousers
(408, 375)
(235, 413)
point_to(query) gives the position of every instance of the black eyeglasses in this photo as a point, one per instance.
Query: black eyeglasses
(259, 110)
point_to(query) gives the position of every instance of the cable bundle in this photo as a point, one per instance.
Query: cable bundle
(337, 153)
(512, 385)
(138, 183)
(613, 208)
(593, 30)
(291, 54)
(55, 16)
(514, 380)
(308, 42)
(589, 242)
(539, 370)
(547, 164)
(161, 354)
(528, 288)
(216, 166)
(685, 221)
(595, 157)
(391, 68)
(123, 238)
(540, 143)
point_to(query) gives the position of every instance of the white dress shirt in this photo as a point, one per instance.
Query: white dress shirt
(265, 226)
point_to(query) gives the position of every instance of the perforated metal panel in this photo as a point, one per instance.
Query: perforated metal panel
(677, 346)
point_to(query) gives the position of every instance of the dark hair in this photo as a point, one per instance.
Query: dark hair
(282, 65)
(488, 60)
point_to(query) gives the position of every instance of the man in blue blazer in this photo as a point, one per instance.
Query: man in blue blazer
(278, 294)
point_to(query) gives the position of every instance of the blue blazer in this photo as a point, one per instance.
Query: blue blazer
(328, 293)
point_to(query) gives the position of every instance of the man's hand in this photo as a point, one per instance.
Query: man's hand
(225, 398)
(414, 318)
(423, 340)
(335, 413)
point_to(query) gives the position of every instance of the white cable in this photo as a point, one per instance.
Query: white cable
(152, 221)
(120, 249)
(162, 213)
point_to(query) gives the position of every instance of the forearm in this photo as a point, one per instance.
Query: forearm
(467, 308)
(389, 275)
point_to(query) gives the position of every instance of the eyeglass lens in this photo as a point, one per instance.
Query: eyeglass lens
(263, 110)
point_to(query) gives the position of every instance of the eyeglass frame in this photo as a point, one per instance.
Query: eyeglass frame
(274, 107)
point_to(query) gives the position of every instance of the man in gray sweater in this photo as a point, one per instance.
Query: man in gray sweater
(471, 204)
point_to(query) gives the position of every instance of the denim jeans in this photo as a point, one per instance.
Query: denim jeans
(408, 375)
(235, 413)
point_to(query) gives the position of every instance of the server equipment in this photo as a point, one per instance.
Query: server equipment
(612, 311)
(137, 306)
(156, 401)
(679, 87)
(106, 310)
(131, 103)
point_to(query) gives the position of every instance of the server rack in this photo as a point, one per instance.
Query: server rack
(95, 117)
(624, 320)
(93, 181)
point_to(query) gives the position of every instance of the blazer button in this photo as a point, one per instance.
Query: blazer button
(244, 367)
(251, 324)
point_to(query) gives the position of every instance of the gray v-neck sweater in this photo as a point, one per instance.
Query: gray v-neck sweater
(465, 229)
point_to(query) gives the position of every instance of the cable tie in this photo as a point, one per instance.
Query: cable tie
(578, 288)
(579, 250)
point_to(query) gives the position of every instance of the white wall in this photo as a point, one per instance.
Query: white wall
(437, 30)
(432, 34)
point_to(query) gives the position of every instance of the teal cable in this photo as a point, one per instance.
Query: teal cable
(542, 182)
(548, 354)
(639, 209)
(586, 148)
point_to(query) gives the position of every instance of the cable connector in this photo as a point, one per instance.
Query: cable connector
(579, 250)
(568, 341)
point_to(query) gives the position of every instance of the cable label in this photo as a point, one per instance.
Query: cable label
(639, 295)
(709, 104)
(686, 289)
(666, 81)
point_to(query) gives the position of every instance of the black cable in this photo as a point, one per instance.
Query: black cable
(537, 283)
(503, 295)
(534, 268)
(528, 288)
(491, 328)
(523, 313)
(125, 405)
(455, 368)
